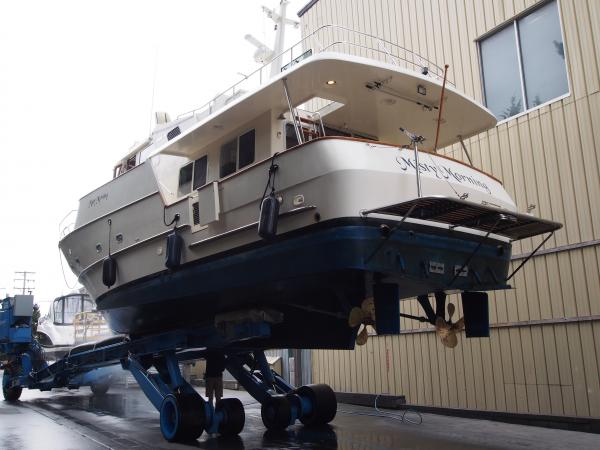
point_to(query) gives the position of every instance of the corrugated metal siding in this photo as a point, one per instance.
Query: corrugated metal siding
(549, 158)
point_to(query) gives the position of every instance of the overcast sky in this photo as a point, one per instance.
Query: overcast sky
(76, 91)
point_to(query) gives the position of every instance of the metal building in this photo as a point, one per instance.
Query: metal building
(544, 352)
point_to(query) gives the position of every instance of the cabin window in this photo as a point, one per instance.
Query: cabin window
(58, 311)
(237, 153)
(200, 166)
(246, 149)
(71, 307)
(185, 179)
(291, 140)
(65, 308)
(523, 64)
(228, 158)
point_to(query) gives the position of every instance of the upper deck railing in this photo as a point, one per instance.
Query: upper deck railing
(325, 38)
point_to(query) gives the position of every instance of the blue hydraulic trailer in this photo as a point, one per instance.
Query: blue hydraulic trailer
(184, 414)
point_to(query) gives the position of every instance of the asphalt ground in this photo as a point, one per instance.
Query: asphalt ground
(125, 419)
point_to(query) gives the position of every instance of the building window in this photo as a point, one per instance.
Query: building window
(237, 153)
(523, 64)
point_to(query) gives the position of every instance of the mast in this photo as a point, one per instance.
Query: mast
(263, 52)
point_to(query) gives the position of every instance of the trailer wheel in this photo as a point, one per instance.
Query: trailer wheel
(99, 388)
(11, 394)
(324, 404)
(234, 416)
(182, 417)
(276, 412)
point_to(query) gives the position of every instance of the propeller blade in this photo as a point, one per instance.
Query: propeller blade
(368, 307)
(451, 309)
(356, 317)
(362, 337)
(459, 325)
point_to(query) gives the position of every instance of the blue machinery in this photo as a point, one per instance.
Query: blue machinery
(184, 414)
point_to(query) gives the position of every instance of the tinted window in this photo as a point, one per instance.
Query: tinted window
(290, 136)
(185, 180)
(227, 161)
(246, 149)
(200, 172)
(543, 55)
(501, 77)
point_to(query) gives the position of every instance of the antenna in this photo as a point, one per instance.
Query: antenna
(263, 52)
(153, 90)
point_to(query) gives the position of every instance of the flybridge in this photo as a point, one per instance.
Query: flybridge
(328, 39)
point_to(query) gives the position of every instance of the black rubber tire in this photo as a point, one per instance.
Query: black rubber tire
(182, 417)
(235, 417)
(276, 412)
(324, 404)
(12, 394)
(100, 388)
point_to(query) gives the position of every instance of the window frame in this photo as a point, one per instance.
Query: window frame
(237, 152)
(62, 300)
(513, 22)
(194, 172)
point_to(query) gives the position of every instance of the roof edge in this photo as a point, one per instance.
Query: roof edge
(306, 7)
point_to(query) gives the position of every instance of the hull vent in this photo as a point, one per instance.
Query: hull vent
(173, 133)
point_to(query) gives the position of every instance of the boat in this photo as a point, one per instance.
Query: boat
(296, 197)
(71, 320)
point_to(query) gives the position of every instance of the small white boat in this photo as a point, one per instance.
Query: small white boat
(323, 138)
(70, 321)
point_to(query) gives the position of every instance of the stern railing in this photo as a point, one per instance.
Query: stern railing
(325, 38)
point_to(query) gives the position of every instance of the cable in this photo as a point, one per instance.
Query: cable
(60, 257)
(445, 179)
(403, 417)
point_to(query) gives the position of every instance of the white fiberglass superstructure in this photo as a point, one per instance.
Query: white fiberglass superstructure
(173, 239)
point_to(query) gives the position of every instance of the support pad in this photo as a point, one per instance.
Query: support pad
(476, 312)
(387, 308)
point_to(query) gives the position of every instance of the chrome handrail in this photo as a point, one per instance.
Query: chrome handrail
(300, 48)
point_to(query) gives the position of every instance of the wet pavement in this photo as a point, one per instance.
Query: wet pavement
(125, 419)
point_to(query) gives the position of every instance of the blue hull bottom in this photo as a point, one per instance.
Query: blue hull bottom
(313, 276)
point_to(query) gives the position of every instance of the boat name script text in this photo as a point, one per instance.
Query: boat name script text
(97, 200)
(441, 172)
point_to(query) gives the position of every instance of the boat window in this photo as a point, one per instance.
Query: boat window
(291, 140)
(228, 158)
(237, 153)
(58, 311)
(200, 166)
(246, 149)
(72, 306)
(185, 179)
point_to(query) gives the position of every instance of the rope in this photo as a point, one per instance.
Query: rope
(62, 268)
(271, 179)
